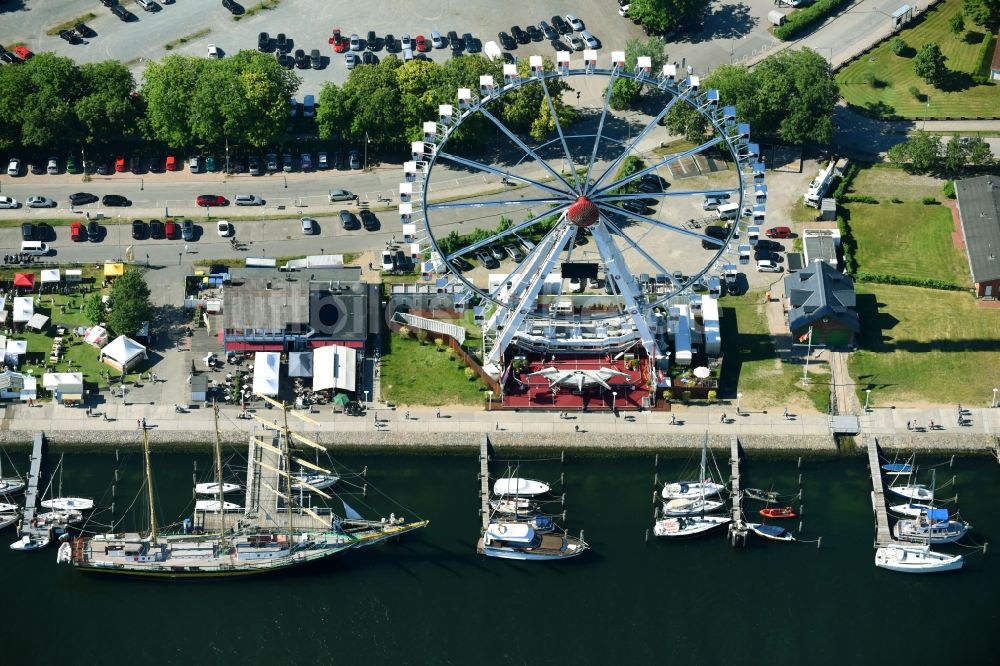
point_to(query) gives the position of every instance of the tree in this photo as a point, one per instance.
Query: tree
(662, 16)
(625, 92)
(93, 309)
(929, 64)
(684, 120)
(106, 111)
(166, 89)
(898, 46)
(977, 151)
(985, 13)
(921, 152)
(129, 303)
(46, 110)
(956, 24)
(369, 101)
(954, 155)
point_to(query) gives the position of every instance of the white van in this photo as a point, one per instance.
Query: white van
(34, 248)
(728, 211)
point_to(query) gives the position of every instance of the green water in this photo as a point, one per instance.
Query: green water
(431, 599)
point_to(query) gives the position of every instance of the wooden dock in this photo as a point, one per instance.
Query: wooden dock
(31, 495)
(737, 528)
(883, 535)
(484, 480)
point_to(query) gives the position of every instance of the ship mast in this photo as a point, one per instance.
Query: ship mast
(149, 488)
(218, 475)
(288, 470)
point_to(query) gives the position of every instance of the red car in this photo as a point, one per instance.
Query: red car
(422, 45)
(211, 200)
(171, 163)
(338, 41)
(23, 53)
(779, 232)
(170, 229)
(76, 231)
(119, 164)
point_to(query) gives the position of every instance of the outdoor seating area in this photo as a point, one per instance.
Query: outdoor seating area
(577, 382)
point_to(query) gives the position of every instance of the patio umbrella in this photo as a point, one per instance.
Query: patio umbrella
(341, 399)
(24, 280)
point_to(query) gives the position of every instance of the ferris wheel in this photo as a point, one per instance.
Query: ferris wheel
(602, 223)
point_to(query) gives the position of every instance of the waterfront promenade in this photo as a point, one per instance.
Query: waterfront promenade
(115, 423)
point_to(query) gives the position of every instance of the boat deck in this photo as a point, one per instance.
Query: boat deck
(31, 494)
(484, 480)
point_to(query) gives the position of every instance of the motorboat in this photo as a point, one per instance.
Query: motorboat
(778, 512)
(913, 491)
(27, 543)
(212, 488)
(68, 504)
(915, 559)
(771, 532)
(761, 495)
(313, 481)
(521, 487)
(932, 527)
(896, 469)
(691, 507)
(513, 505)
(521, 541)
(58, 518)
(688, 526)
(212, 506)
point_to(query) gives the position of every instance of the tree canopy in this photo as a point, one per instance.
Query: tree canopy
(929, 65)
(985, 13)
(662, 16)
(625, 92)
(128, 303)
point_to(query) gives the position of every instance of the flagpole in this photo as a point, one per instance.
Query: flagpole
(805, 369)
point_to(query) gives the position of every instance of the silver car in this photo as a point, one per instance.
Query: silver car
(40, 202)
(308, 226)
(342, 195)
(248, 200)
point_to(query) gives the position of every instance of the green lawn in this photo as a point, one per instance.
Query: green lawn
(752, 367)
(961, 97)
(884, 181)
(415, 374)
(925, 346)
(907, 239)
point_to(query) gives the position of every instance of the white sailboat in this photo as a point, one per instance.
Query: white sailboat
(10, 485)
(687, 525)
(771, 532)
(911, 509)
(68, 503)
(691, 507)
(312, 480)
(27, 543)
(913, 491)
(521, 487)
(915, 559)
(212, 488)
(9, 514)
(212, 506)
(513, 505)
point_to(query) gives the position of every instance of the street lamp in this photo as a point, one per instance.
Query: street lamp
(738, 396)
(868, 395)
(614, 399)
(995, 397)
(366, 399)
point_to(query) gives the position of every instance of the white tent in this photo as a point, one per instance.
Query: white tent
(50, 275)
(97, 336)
(73, 275)
(300, 364)
(37, 321)
(66, 386)
(14, 351)
(266, 370)
(335, 367)
(123, 353)
(24, 307)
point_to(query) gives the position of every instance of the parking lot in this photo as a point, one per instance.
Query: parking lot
(730, 31)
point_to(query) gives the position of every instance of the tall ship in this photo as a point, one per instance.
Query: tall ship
(277, 529)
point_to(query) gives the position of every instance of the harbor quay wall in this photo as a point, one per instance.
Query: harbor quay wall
(599, 442)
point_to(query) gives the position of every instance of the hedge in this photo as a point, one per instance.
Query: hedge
(859, 198)
(802, 19)
(848, 244)
(984, 60)
(927, 283)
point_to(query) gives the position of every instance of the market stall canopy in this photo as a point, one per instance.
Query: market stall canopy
(11, 381)
(266, 370)
(74, 275)
(71, 382)
(300, 364)
(123, 353)
(51, 275)
(37, 321)
(24, 280)
(335, 367)
(97, 336)
(24, 307)
(112, 269)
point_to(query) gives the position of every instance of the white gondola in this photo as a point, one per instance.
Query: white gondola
(68, 503)
(915, 559)
(212, 488)
(517, 486)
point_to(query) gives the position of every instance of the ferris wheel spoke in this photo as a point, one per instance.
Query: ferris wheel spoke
(569, 256)
(527, 150)
(618, 231)
(600, 125)
(532, 259)
(659, 165)
(635, 142)
(507, 232)
(659, 223)
(503, 202)
(473, 164)
(677, 193)
(562, 137)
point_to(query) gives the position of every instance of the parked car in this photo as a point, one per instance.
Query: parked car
(405, 42)
(387, 263)
(589, 39)
(210, 200)
(254, 162)
(321, 161)
(519, 35)
(471, 43)
(194, 164)
(342, 195)
(487, 260)
(37, 167)
(27, 231)
(559, 23)
(156, 230)
(547, 30)
(765, 255)
(574, 22)
(72, 166)
(514, 253)
(138, 229)
(76, 233)
(506, 41)
(120, 164)
(14, 167)
(224, 228)
(23, 53)
(233, 7)
(171, 163)
(390, 43)
(93, 231)
(768, 266)
(421, 44)
(248, 200)
(436, 40)
(779, 232)
(210, 164)
(351, 61)
(115, 200)
(315, 59)
(534, 34)
(213, 51)
(123, 14)
(264, 43)
(348, 221)
(52, 168)
(40, 202)
(369, 221)
(354, 158)
(83, 30)
(371, 41)
(301, 59)
(170, 230)
(308, 226)
(286, 162)
(308, 106)
(187, 230)
(281, 43)
(272, 162)
(355, 43)
(461, 264)
(306, 161)
(82, 198)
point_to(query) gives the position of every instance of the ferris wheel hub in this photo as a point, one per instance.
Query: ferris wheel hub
(583, 213)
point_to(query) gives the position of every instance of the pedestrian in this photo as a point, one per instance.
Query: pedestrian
(909, 425)
(786, 413)
(930, 426)
(185, 249)
(88, 411)
(498, 425)
(406, 416)
(138, 424)
(673, 419)
(143, 422)
(438, 414)
(371, 267)
(31, 403)
(723, 420)
(576, 428)
(376, 421)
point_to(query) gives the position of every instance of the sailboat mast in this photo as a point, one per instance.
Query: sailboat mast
(218, 474)
(288, 469)
(149, 488)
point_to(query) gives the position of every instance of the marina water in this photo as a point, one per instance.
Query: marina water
(430, 599)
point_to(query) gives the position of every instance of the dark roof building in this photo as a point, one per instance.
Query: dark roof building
(979, 211)
(823, 299)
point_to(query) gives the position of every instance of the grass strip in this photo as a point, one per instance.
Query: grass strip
(68, 25)
(187, 38)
